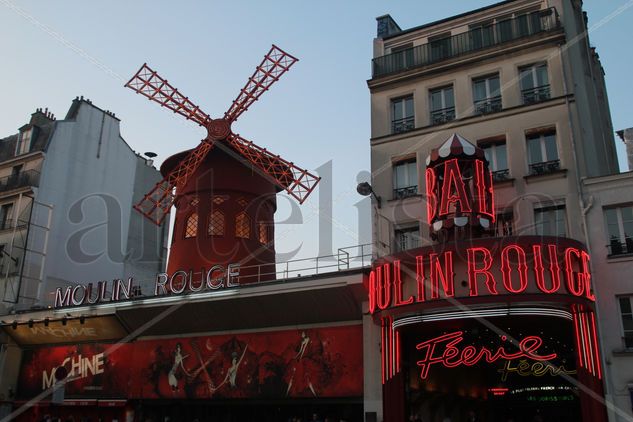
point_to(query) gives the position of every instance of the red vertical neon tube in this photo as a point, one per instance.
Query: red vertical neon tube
(419, 277)
(595, 343)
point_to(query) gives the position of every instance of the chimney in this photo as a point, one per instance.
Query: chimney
(627, 136)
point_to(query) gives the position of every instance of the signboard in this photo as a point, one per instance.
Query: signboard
(103, 328)
(315, 362)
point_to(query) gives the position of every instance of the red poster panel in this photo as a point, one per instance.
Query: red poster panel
(315, 362)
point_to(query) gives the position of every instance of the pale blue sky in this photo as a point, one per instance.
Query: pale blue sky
(53, 51)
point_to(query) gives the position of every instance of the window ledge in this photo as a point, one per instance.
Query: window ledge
(623, 352)
(545, 176)
(620, 258)
(417, 195)
(505, 182)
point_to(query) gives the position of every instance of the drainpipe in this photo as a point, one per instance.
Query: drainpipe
(584, 209)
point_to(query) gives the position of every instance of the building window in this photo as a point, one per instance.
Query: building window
(481, 35)
(626, 313)
(487, 94)
(534, 83)
(440, 47)
(497, 156)
(550, 221)
(262, 232)
(402, 56)
(219, 199)
(619, 229)
(6, 215)
(191, 226)
(542, 152)
(402, 119)
(242, 225)
(442, 105)
(405, 179)
(407, 238)
(504, 224)
(216, 224)
(24, 145)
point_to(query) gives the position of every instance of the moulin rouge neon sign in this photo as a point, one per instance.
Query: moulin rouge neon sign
(445, 350)
(533, 266)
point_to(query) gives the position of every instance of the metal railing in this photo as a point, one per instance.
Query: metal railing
(401, 193)
(617, 247)
(442, 116)
(19, 180)
(474, 40)
(345, 259)
(488, 105)
(536, 95)
(402, 125)
(501, 175)
(545, 167)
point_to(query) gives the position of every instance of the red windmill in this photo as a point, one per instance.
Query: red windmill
(188, 185)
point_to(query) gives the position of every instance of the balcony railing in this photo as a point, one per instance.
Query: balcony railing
(501, 175)
(535, 95)
(402, 125)
(401, 193)
(476, 39)
(441, 116)
(488, 105)
(617, 247)
(22, 179)
(545, 167)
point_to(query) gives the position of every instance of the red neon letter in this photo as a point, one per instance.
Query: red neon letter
(506, 271)
(539, 269)
(446, 277)
(453, 188)
(575, 282)
(419, 277)
(473, 271)
(372, 291)
(383, 283)
(431, 198)
(397, 283)
(481, 182)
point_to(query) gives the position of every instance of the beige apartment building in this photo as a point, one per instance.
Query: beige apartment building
(520, 80)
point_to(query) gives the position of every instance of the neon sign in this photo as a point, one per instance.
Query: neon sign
(535, 369)
(529, 267)
(449, 355)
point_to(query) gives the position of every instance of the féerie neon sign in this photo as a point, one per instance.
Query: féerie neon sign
(449, 355)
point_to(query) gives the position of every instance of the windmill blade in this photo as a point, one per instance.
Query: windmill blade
(149, 84)
(275, 63)
(298, 182)
(156, 204)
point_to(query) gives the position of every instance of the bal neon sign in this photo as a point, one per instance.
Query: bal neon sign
(529, 267)
(445, 350)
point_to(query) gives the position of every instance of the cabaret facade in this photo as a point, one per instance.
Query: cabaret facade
(483, 296)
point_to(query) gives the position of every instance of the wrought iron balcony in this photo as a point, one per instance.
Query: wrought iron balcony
(617, 247)
(501, 175)
(401, 193)
(20, 180)
(443, 115)
(485, 37)
(402, 125)
(488, 105)
(545, 167)
(535, 95)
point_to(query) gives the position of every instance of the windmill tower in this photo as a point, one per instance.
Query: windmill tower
(224, 190)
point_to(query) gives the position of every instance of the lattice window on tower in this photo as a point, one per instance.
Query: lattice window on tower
(194, 202)
(219, 199)
(216, 224)
(191, 226)
(242, 225)
(242, 202)
(262, 232)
